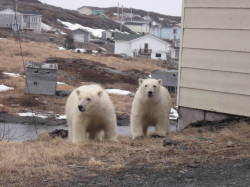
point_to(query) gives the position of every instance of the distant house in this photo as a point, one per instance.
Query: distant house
(23, 21)
(107, 35)
(90, 11)
(169, 78)
(168, 32)
(138, 26)
(80, 36)
(145, 46)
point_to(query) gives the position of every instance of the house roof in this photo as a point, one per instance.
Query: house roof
(30, 13)
(153, 36)
(134, 23)
(118, 36)
(80, 30)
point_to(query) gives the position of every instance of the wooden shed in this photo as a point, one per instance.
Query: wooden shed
(214, 61)
(41, 78)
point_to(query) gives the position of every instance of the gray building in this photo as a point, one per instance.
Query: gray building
(20, 21)
(41, 78)
(169, 78)
(80, 36)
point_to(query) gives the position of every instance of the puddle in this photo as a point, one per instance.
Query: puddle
(20, 132)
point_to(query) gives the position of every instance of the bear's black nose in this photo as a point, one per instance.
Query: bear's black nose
(80, 107)
(150, 93)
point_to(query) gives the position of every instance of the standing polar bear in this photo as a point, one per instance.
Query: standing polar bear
(90, 115)
(151, 107)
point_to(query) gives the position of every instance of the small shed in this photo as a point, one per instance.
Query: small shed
(41, 78)
(107, 35)
(169, 78)
(80, 36)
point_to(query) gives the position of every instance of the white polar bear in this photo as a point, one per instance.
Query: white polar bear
(90, 114)
(151, 107)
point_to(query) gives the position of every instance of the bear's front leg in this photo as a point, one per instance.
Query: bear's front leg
(79, 131)
(161, 128)
(137, 127)
(110, 130)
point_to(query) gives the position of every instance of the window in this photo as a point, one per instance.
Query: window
(158, 55)
(146, 46)
(35, 83)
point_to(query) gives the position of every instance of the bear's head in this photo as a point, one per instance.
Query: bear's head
(150, 87)
(87, 99)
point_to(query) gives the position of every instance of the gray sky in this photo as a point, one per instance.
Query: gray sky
(168, 7)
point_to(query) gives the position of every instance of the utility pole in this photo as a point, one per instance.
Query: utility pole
(121, 21)
(131, 14)
(118, 12)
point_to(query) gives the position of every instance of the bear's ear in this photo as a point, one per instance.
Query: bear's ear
(140, 81)
(160, 81)
(78, 92)
(99, 93)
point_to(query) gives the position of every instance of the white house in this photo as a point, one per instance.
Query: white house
(146, 46)
(168, 32)
(24, 20)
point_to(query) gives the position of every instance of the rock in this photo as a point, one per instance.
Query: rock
(63, 93)
(168, 142)
(59, 133)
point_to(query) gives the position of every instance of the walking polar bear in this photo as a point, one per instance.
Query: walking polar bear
(151, 107)
(90, 115)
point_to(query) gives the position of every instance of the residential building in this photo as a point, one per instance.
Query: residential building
(80, 36)
(214, 66)
(20, 20)
(138, 26)
(169, 78)
(90, 11)
(145, 46)
(107, 35)
(168, 32)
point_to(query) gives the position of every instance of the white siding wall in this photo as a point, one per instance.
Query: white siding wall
(215, 68)
(122, 47)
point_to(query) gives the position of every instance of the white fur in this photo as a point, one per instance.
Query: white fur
(96, 121)
(150, 111)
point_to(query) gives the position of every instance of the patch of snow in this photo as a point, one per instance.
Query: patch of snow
(61, 83)
(79, 50)
(118, 92)
(4, 88)
(74, 26)
(150, 76)
(30, 114)
(11, 74)
(173, 114)
(46, 27)
(94, 51)
(58, 116)
(61, 48)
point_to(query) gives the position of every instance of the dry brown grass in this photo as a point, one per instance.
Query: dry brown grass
(38, 52)
(58, 160)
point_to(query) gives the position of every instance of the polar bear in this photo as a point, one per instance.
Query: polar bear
(151, 107)
(90, 115)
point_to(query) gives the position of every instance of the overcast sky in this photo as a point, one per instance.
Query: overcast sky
(168, 7)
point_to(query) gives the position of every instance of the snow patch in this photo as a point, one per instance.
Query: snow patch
(58, 116)
(61, 83)
(61, 48)
(173, 114)
(74, 26)
(11, 74)
(118, 92)
(4, 88)
(46, 27)
(30, 114)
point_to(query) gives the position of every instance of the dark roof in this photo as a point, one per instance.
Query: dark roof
(30, 13)
(80, 31)
(134, 23)
(125, 36)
